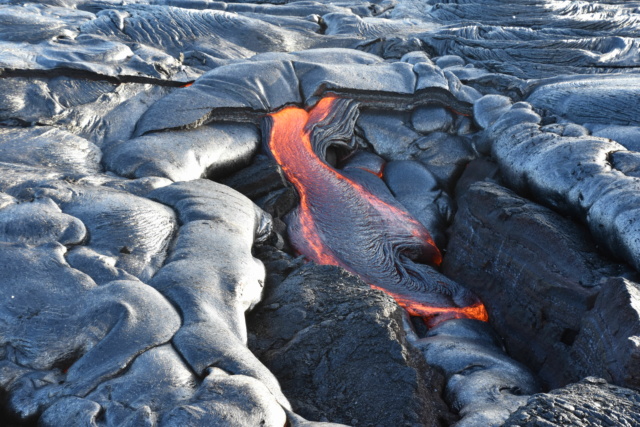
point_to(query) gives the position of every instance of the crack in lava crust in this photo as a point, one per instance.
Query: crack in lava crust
(343, 222)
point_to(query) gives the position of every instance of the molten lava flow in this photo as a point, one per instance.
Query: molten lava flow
(358, 225)
(434, 315)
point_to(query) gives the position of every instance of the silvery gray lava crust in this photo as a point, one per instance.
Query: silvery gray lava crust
(590, 402)
(136, 199)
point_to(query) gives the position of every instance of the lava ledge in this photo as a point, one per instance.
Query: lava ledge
(589, 403)
(539, 291)
(213, 278)
(339, 350)
(484, 384)
(571, 174)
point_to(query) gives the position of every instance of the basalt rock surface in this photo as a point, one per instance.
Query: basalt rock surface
(590, 402)
(99, 329)
(484, 384)
(101, 111)
(606, 100)
(183, 155)
(571, 174)
(50, 148)
(340, 353)
(608, 343)
(126, 272)
(505, 248)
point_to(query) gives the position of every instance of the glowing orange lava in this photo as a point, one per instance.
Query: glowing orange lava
(323, 191)
(434, 315)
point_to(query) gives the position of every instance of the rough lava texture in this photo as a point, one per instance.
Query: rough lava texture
(505, 248)
(126, 271)
(484, 384)
(590, 402)
(323, 330)
(609, 339)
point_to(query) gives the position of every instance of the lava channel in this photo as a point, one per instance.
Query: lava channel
(354, 225)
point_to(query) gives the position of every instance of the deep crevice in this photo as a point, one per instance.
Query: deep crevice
(87, 75)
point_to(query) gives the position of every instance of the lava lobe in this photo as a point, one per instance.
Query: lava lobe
(356, 223)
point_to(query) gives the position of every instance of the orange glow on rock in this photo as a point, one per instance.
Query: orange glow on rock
(288, 126)
(325, 194)
(435, 315)
(378, 174)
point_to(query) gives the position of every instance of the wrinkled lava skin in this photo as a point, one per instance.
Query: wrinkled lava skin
(352, 224)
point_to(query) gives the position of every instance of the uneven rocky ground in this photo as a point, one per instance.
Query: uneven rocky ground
(146, 273)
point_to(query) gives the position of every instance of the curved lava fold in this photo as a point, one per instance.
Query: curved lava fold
(347, 223)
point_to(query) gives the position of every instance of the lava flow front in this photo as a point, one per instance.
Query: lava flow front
(356, 223)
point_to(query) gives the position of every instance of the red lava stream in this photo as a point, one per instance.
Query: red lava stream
(342, 222)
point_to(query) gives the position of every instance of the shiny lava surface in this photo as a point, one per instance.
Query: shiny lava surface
(342, 222)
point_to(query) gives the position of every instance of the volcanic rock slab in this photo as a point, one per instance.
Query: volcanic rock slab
(97, 110)
(209, 261)
(628, 136)
(571, 174)
(590, 402)
(38, 223)
(340, 352)
(245, 399)
(246, 90)
(413, 185)
(388, 134)
(78, 353)
(507, 250)
(50, 148)
(602, 349)
(133, 232)
(445, 155)
(156, 42)
(532, 39)
(608, 100)
(186, 154)
(64, 335)
(258, 86)
(259, 179)
(484, 384)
